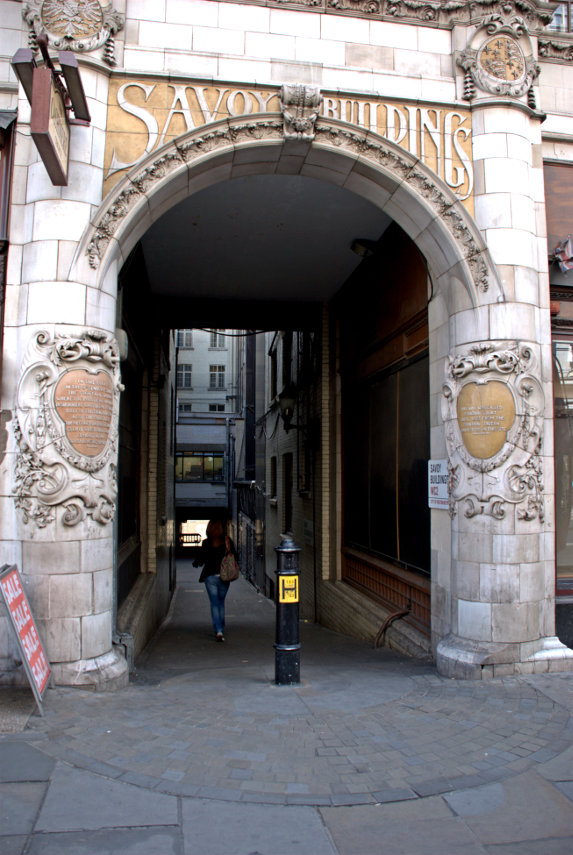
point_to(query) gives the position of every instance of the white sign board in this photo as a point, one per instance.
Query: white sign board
(438, 484)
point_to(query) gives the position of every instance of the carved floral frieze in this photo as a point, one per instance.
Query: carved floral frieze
(492, 407)
(66, 428)
(132, 189)
(82, 25)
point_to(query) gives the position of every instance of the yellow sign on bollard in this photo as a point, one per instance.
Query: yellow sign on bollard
(288, 589)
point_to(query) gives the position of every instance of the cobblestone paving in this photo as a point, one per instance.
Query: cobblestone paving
(364, 726)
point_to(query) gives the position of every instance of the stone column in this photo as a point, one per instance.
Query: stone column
(497, 398)
(60, 401)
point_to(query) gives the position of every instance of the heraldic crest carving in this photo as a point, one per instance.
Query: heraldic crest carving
(492, 407)
(66, 428)
(78, 25)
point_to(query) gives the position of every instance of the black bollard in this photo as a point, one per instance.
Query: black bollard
(287, 645)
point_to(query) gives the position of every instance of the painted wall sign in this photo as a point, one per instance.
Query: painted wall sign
(33, 654)
(438, 484)
(49, 126)
(143, 115)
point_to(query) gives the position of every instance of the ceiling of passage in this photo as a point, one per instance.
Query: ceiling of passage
(262, 237)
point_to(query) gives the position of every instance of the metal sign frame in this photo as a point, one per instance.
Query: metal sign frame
(49, 126)
(34, 656)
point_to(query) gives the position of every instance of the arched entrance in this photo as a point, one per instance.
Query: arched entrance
(463, 286)
(340, 155)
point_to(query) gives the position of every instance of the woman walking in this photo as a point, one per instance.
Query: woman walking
(212, 552)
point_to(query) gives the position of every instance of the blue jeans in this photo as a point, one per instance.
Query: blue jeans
(217, 591)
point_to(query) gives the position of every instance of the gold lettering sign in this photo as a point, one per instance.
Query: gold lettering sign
(144, 114)
(485, 413)
(84, 402)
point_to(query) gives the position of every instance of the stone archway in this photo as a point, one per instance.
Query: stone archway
(465, 290)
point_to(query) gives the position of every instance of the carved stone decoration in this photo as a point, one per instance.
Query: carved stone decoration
(78, 25)
(555, 50)
(499, 59)
(66, 428)
(492, 407)
(300, 105)
(380, 152)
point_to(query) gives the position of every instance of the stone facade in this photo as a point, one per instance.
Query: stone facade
(441, 115)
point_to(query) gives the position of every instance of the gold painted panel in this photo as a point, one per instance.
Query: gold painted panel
(486, 411)
(144, 113)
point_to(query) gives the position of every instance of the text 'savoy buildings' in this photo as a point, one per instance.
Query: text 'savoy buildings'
(389, 185)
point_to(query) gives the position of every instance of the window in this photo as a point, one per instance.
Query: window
(287, 358)
(273, 478)
(216, 377)
(287, 492)
(216, 408)
(184, 376)
(185, 408)
(273, 375)
(562, 19)
(184, 338)
(218, 339)
(198, 466)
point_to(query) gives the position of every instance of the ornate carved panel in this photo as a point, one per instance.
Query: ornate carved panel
(66, 428)
(299, 107)
(492, 408)
(82, 25)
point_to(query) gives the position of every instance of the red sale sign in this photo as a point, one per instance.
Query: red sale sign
(33, 654)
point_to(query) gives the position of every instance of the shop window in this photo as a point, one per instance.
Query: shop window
(563, 408)
(198, 466)
(216, 377)
(386, 449)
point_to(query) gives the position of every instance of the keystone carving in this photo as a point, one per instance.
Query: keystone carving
(82, 25)
(300, 105)
(492, 406)
(66, 428)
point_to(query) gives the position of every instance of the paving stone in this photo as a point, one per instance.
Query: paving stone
(244, 828)
(22, 762)
(19, 806)
(128, 841)
(99, 803)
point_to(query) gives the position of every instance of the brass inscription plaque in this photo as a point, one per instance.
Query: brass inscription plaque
(485, 413)
(84, 402)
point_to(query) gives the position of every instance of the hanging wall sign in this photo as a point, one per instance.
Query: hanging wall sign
(49, 126)
(33, 654)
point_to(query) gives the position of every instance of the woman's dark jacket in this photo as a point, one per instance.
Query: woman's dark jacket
(210, 558)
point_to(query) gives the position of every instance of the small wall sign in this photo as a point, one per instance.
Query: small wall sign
(438, 484)
(33, 654)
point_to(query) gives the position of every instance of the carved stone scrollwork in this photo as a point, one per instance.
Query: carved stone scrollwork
(83, 25)
(300, 105)
(500, 58)
(66, 428)
(492, 407)
(555, 50)
(380, 152)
